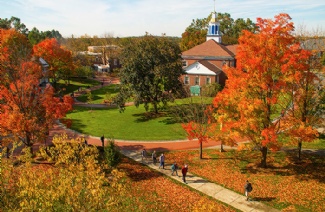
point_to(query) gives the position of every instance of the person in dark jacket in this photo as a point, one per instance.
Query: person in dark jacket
(102, 140)
(184, 172)
(248, 188)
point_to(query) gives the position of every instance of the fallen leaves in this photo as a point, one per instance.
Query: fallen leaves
(155, 192)
(286, 184)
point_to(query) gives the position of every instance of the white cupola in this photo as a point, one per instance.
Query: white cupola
(214, 29)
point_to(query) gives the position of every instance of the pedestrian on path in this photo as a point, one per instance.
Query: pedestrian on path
(174, 168)
(184, 172)
(154, 157)
(162, 161)
(143, 154)
(102, 140)
(248, 188)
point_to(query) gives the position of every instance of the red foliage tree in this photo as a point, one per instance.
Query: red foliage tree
(59, 59)
(257, 87)
(27, 110)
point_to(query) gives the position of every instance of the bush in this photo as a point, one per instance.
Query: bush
(111, 154)
(210, 90)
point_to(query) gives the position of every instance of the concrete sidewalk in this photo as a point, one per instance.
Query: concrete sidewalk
(218, 192)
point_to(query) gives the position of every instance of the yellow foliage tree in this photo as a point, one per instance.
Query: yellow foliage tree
(73, 181)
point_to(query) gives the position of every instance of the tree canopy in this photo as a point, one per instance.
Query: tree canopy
(151, 70)
(269, 65)
(59, 59)
(35, 36)
(27, 110)
(196, 33)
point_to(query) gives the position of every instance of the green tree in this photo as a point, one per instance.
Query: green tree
(151, 70)
(35, 36)
(231, 29)
(14, 23)
(112, 154)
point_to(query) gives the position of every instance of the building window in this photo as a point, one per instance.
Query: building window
(197, 80)
(184, 63)
(208, 81)
(115, 62)
(186, 80)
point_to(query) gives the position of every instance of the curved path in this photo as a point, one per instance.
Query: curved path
(134, 145)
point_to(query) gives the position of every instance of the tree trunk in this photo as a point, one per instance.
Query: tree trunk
(299, 149)
(29, 143)
(221, 147)
(201, 157)
(155, 107)
(264, 154)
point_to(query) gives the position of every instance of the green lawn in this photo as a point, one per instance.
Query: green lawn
(76, 83)
(316, 144)
(100, 95)
(133, 124)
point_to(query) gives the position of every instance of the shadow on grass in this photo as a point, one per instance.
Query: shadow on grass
(263, 199)
(74, 124)
(138, 172)
(218, 158)
(311, 165)
(147, 116)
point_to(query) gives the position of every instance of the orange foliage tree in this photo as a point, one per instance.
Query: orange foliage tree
(59, 59)
(27, 110)
(257, 89)
(308, 97)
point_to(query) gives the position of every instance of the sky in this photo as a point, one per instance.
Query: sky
(122, 18)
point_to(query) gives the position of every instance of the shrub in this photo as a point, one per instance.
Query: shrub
(112, 155)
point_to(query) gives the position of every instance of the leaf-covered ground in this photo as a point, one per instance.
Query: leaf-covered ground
(148, 190)
(286, 184)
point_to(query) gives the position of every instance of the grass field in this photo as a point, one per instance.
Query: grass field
(101, 94)
(133, 124)
(75, 84)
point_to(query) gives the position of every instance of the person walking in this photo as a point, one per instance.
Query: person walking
(248, 188)
(162, 161)
(174, 168)
(144, 154)
(184, 172)
(102, 140)
(154, 157)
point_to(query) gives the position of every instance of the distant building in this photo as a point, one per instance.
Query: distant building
(107, 57)
(204, 63)
(45, 73)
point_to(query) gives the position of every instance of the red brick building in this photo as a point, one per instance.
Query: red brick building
(204, 63)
